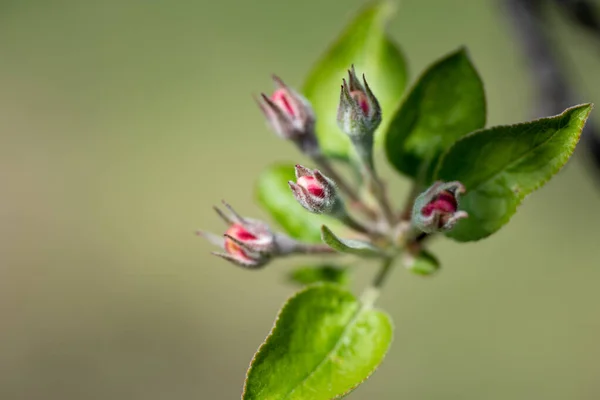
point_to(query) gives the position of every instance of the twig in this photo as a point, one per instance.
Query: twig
(553, 89)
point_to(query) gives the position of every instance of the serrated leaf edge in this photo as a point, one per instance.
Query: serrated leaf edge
(522, 195)
(392, 328)
(281, 309)
(360, 309)
(462, 50)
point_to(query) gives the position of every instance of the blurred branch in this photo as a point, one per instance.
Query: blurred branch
(583, 13)
(554, 93)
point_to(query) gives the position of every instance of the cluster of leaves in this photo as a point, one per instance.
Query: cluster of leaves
(326, 341)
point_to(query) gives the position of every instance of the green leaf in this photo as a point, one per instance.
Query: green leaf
(321, 273)
(425, 263)
(500, 166)
(324, 344)
(349, 246)
(365, 44)
(446, 103)
(275, 196)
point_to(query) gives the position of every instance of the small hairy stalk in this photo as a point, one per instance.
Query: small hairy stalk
(309, 248)
(377, 188)
(325, 165)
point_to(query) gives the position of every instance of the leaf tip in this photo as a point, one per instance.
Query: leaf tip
(588, 106)
(462, 50)
(385, 8)
(580, 112)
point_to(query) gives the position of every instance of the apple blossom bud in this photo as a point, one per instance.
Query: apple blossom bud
(237, 239)
(359, 113)
(248, 243)
(315, 192)
(436, 209)
(291, 116)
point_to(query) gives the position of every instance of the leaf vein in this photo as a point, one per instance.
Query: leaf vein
(330, 352)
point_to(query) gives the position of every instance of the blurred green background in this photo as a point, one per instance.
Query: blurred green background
(123, 121)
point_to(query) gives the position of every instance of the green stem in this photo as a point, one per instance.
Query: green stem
(410, 200)
(383, 273)
(371, 294)
(378, 191)
(417, 187)
(326, 167)
(307, 248)
(363, 146)
(353, 224)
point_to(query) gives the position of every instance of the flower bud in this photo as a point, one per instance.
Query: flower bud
(436, 209)
(315, 192)
(359, 113)
(291, 116)
(248, 243)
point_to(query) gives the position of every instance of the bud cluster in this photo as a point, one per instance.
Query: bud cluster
(252, 244)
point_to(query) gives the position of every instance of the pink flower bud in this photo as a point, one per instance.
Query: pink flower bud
(239, 233)
(250, 243)
(281, 97)
(315, 192)
(363, 102)
(312, 186)
(359, 113)
(247, 242)
(445, 203)
(291, 116)
(436, 209)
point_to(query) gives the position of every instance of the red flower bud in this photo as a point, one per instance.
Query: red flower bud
(359, 113)
(247, 242)
(361, 99)
(281, 97)
(314, 187)
(250, 243)
(291, 116)
(315, 192)
(238, 232)
(444, 203)
(436, 209)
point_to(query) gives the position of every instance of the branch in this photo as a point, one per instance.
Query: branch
(553, 89)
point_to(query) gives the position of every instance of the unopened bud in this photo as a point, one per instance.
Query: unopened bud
(315, 192)
(291, 116)
(359, 113)
(247, 242)
(436, 209)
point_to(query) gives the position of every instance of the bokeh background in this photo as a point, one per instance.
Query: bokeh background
(123, 121)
